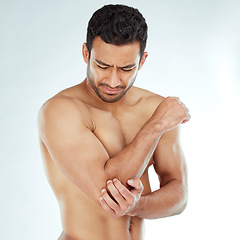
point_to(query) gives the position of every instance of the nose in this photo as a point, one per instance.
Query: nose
(113, 78)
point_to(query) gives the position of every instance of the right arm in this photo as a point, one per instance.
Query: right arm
(65, 129)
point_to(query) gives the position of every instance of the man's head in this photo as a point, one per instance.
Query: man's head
(117, 25)
(114, 52)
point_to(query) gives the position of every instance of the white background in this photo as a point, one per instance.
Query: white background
(194, 53)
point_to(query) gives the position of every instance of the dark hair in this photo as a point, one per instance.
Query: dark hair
(118, 25)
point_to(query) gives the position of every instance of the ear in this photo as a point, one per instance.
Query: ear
(85, 53)
(143, 59)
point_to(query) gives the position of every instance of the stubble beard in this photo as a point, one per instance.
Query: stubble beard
(111, 99)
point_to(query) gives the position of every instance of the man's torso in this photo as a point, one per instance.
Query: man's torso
(81, 217)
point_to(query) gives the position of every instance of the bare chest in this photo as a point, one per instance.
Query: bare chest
(117, 130)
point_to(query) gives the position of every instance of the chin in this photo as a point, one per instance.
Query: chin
(111, 99)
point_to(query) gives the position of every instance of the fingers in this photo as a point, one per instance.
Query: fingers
(123, 191)
(177, 98)
(136, 184)
(115, 191)
(188, 116)
(106, 207)
(118, 199)
(108, 200)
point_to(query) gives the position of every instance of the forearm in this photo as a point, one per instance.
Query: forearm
(134, 158)
(167, 201)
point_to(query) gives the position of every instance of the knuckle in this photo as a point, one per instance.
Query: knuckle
(114, 192)
(121, 190)
(124, 208)
(112, 205)
(131, 200)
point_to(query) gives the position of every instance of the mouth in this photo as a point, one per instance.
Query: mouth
(111, 91)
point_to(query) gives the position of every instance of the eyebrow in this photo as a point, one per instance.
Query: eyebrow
(107, 65)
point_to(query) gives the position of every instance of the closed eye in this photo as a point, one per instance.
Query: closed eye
(102, 67)
(127, 70)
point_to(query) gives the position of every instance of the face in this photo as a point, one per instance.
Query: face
(112, 69)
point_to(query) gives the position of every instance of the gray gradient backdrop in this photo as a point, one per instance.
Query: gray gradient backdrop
(194, 53)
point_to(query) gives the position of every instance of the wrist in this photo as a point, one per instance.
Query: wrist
(139, 206)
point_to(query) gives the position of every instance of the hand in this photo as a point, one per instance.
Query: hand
(171, 112)
(124, 200)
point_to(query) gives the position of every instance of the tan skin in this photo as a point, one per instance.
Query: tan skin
(94, 143)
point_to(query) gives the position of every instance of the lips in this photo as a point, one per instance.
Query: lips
(111, 91)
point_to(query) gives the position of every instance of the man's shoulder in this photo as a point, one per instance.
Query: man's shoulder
(61, 103)
(62, 108)
(146, 94)
(148, 99)
(67, 100)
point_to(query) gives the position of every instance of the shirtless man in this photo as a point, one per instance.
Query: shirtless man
(99, 138)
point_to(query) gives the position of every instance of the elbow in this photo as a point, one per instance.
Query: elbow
(93, 188)
(182, 207)
(97, 194)
(112, 171)
(179, 209)
(100, 182)
(182, 203)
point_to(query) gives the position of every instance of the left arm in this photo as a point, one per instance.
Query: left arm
(170, 199)
(170, 165)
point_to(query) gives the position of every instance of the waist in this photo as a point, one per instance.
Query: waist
(88, 224)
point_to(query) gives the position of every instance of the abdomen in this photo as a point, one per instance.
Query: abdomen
(81, 217)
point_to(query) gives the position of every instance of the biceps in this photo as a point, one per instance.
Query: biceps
(81, 157)
(169, 163)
